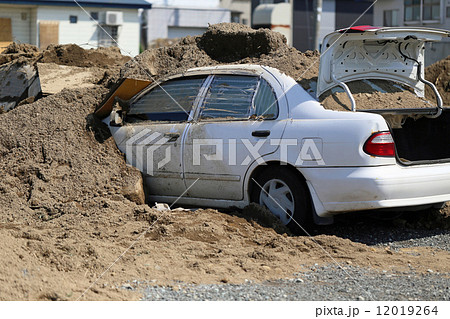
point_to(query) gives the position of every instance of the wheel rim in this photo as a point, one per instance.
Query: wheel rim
(278, 198)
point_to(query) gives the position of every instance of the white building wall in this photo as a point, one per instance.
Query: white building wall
(160, 19)
(186, 3)
(85, 31)
(383, 5)
(328, 19)
(20, 27)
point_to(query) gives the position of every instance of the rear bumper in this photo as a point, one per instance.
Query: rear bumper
(346, 189)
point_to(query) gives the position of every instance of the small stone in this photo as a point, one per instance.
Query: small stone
(430, 270)
(266, 268)
(361, 298)
(298, 280)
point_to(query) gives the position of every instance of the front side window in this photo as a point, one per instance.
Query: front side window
(171, 101)
(237, 97)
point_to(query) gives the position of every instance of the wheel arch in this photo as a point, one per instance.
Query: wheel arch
(262, 167)
(257, 171)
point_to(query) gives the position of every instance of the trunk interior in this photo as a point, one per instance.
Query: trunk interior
(423, 140)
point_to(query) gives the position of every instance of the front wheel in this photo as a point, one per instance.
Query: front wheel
(282, 192)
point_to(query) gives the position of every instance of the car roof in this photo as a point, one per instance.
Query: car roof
(227, 68)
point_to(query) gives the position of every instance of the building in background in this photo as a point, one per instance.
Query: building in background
(276, 17)
(170, 19)
(336, 14)
(426, 13)
(111, 23)
(241, 10)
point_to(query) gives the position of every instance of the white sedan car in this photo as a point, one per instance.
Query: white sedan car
(234, 134)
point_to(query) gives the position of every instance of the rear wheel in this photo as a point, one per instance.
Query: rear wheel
(285, 195)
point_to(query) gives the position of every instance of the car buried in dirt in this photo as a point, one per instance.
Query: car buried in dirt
(229, 135)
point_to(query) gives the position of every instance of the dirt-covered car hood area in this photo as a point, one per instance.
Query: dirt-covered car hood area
(69, 204)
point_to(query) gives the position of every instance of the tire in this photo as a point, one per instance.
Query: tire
(286, 196)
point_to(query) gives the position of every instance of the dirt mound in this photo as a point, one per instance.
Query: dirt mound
(225, 43)
(54, 155)
(73, 55)
(68, 54)
(373, 94)
(439, 74)
(20, 48)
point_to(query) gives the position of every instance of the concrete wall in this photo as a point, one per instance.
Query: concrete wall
(21, 28)
(85, 31)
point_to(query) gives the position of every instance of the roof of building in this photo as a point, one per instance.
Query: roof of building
(134, 4)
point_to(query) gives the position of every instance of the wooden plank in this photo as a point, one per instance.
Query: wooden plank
(48, 33)
(5, 30)
(125, 90)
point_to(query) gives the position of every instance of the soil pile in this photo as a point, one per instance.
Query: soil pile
(373, 94)
(225, 43)
(439, 74)
(73, 55)
(67, 54)
(54, 155)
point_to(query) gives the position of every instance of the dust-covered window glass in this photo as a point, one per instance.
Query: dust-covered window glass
(172, 101)
(265, 102)
(229, 97)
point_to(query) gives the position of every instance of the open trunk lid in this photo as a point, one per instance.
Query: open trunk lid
(365, 52)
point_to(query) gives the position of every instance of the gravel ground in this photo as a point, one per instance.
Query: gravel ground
(331, 282)
(412, 229)
(321, 283)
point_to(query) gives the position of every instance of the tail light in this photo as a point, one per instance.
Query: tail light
(380, 144)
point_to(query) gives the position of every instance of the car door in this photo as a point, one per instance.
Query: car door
(236, 121)
(152, 133)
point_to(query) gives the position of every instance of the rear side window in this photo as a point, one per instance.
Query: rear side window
(229, 97)
(265, 102)
(172, 101)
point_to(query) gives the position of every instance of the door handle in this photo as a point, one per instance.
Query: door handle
(172, 136)
(261, 133)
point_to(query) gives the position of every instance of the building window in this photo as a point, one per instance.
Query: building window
(94, 16)
(73, 19)
(108, 35)
(236, 17)
(390, 18)
(448, 12)
(431, 10)
(422, 10)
